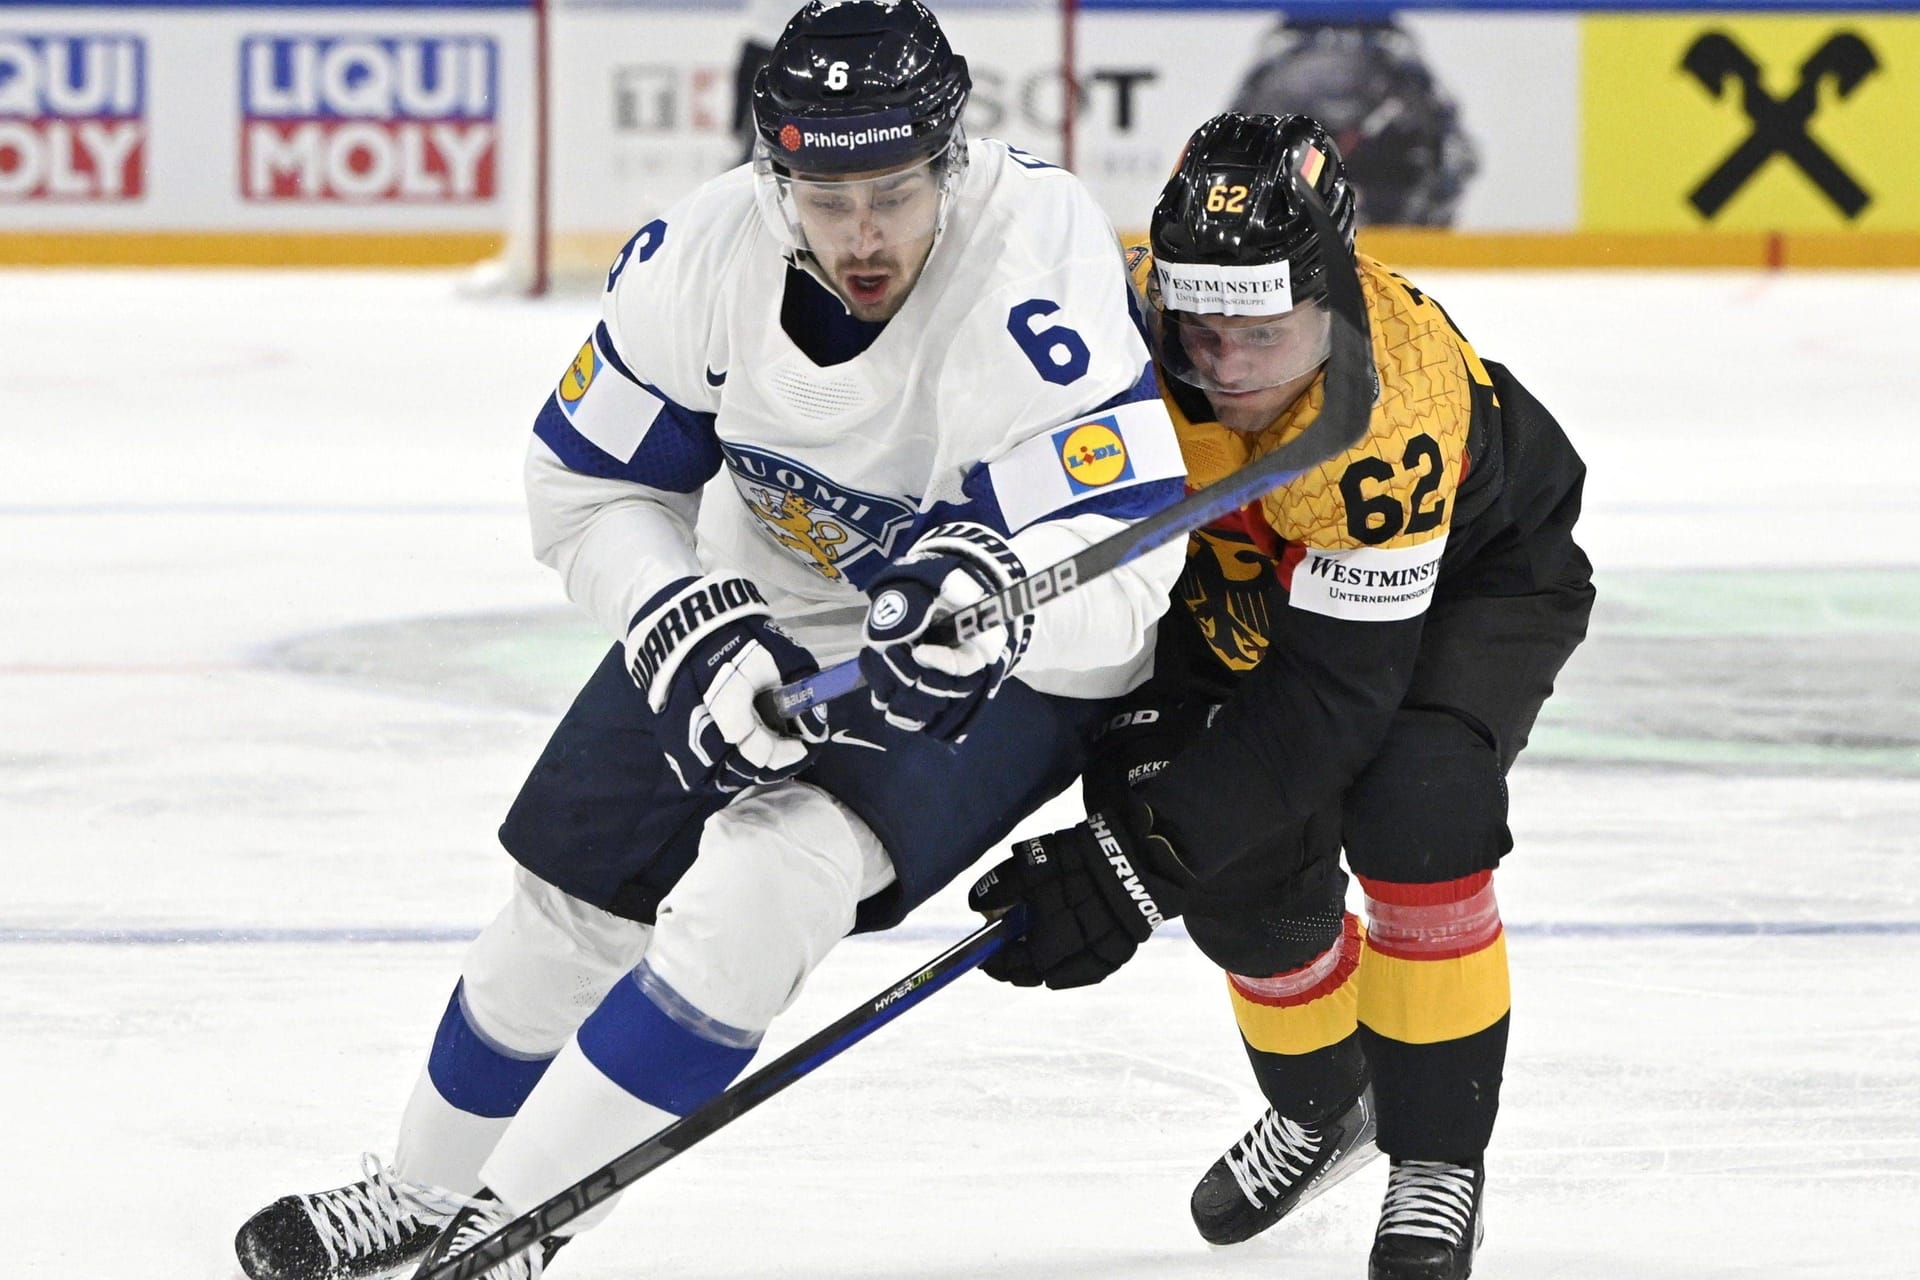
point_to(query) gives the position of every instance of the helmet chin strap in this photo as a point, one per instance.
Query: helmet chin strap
(805, 261)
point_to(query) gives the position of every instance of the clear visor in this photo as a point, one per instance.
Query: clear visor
(857, 217)
(1236, 354)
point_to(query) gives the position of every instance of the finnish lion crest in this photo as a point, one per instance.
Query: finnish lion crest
(839, 532)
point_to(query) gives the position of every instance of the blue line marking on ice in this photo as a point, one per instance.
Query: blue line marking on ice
(325, 935)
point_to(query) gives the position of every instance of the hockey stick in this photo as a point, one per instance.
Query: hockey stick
(1342, 423)
(535, 1225)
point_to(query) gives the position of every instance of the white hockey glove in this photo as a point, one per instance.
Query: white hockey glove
(700, 651)
(918, 674)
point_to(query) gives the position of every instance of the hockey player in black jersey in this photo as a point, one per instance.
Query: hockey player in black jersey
(1351, 663)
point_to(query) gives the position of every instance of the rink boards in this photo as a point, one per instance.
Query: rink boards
(370, 132)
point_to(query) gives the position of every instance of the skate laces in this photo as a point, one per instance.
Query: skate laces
(1275, 1152)
(1428, 1198)
(488, 1216)
(365, 1216)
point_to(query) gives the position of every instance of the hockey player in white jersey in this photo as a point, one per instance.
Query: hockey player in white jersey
(880, 363)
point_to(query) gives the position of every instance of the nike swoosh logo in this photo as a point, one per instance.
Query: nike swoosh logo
(716, 379)
(842, 736)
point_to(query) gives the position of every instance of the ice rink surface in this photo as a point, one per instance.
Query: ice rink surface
(274, 656)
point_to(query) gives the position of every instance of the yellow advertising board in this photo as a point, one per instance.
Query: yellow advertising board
(1736, 122)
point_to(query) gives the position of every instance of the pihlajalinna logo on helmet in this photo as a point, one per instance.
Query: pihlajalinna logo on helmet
(883, 131)
(844, 141)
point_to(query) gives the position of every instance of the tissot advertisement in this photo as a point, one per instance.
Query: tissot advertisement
(1547, 126)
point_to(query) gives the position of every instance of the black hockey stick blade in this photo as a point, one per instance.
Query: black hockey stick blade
(1345, 412)
(541, 1221)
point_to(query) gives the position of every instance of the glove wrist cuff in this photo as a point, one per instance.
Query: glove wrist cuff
(1137, 891)
(662, 636)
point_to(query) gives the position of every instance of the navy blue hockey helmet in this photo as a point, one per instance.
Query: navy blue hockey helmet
(858, 85)
(1231, 201)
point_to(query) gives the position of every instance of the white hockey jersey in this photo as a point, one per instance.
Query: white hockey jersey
(1013, 388)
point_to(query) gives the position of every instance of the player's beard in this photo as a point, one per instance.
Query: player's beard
(876, 287)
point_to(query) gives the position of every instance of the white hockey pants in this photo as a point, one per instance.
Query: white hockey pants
(776, 883)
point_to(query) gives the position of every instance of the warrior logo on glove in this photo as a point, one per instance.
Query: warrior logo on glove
(701, 651)
(889, 610)
(688, 614)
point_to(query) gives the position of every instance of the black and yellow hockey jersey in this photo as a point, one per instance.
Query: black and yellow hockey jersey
(1303, 611)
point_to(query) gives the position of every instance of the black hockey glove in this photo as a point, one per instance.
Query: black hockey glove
(918, 678)
(700, 651)
(1092, 894)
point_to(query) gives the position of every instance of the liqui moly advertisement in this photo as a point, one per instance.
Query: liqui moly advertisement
(409, 119)
(73, 117)
(207, 129)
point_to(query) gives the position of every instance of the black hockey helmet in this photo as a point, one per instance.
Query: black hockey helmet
(854, 85)
(1231, 201)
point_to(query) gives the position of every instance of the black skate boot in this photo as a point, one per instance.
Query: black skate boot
(1277, 1167)
(1430, 1222)
(479, 1218)
(363, 1229)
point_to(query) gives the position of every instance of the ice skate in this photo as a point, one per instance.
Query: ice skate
(1430, 1222)
(366, 1228)
(479, 1218)
(1277, 1167)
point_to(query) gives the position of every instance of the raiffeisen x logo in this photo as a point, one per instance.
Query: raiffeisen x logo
(1780, 125)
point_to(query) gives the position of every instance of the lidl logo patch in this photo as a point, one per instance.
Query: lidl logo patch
(1093, 454)
(73, 121)
(368, 119)
(578, 377)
